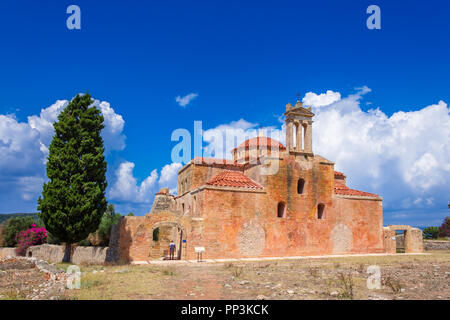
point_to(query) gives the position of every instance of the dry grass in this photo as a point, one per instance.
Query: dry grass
(422, 277)
(346, 285)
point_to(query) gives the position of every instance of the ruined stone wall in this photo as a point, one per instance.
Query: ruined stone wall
(413, 239)
(6, 252)
(136, 235)
(436, 245)
(390, 242)
(80, 255)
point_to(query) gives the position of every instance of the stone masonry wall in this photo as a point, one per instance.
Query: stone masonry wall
(80, 255)
(6, 252)
(436, 245)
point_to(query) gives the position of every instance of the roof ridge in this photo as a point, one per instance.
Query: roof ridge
(231, 178)
(341, 188)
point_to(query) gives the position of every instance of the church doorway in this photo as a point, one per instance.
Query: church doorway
(162, 234)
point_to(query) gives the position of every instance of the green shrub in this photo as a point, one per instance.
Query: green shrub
(431, 233)
(14, 226)
(84, 243)
(445, 228)
(109, 218)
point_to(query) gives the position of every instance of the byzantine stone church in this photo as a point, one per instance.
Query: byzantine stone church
(271, 200)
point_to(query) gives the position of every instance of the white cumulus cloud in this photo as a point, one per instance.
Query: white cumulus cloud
(127, 189)
(185, 100)
(169, 177)
(404, 157)
(24, 149)
(319, 100)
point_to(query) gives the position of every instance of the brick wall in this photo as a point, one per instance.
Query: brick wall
(232, 223)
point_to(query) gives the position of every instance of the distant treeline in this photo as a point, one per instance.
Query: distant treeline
(4, 217)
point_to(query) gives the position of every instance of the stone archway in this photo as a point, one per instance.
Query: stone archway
(161, 234)
(412, 241)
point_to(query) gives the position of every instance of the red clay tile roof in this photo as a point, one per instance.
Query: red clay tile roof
(338, 174)
(261, 142)
(340, 188)
(234, 179)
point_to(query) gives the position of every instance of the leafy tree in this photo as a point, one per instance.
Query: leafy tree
(73, 200)
(13, 227)
(131, 214)
(431, 233)
(110, 218)
(445, 228)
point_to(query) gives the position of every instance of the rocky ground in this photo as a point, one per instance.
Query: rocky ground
(403, 277)
(31, 279)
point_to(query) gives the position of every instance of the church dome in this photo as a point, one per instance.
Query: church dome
(261, 142)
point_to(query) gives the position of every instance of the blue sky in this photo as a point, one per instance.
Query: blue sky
(244, 60)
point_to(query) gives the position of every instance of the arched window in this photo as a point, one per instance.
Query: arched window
(321, 211)
(156, 234)
(303, 136)
(281, 213)
(295, 135)
(300, 186)
(194, 204)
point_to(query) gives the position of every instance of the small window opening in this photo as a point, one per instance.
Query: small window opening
(156, 234)
(321, 211)
(300, 186)
(281, 210)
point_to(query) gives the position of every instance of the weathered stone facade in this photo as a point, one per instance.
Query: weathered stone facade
(270, 200)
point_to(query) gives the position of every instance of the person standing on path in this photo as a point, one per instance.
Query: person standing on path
(172, 249)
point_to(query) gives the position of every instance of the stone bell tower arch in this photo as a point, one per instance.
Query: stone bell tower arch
(299, 129)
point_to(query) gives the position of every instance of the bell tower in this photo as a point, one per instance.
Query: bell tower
(299, 129)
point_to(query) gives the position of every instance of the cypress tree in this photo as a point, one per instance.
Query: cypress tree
(73, 200)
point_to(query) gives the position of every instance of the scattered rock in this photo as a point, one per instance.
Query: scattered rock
(276, 286)
(334, 294)
(261, 297)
